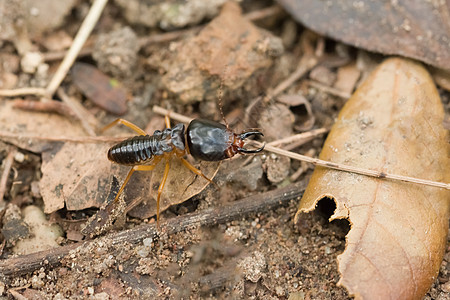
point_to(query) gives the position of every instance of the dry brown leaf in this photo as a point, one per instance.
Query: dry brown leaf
(19, 122)
(181, 185)
(393, 123)
(415, 28)
(101, 89)
(347, 77)
(79, 176)
(76, 175)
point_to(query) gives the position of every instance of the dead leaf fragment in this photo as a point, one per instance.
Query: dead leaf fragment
(181, 185)
(393, 124)
(100, 89)
(416, 29)
(110, 214)
(19, 124)
(347, 77)
(79, 176)
(76, 175)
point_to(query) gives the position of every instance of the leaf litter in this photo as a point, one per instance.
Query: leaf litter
(370, 24)
(300, 260)
(393, 123)
(22, 123)
(100, 89)
(78, 176)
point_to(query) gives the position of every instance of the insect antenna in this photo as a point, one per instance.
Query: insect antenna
(242, 119)
(220, 96)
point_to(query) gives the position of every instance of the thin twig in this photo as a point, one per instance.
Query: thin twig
(7, 164)
(173, 115)
(77, 139)
(168, 36)
(308, 61)
(23, 92)
(323, 163)
(305, 66)
(219, 277)
(47, 106)
(351, 169)
(24, 264)
(299, 137)
(81, 113)
(83, 33)
(328, 89)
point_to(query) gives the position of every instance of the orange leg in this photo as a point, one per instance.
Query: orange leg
(126, 123)
(135, 168)
(197, 171)
(161, 187)
(167, 120)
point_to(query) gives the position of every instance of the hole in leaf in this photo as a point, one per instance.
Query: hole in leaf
(326, 207)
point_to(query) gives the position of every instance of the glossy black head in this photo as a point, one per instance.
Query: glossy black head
(212, 141)
(208, 140)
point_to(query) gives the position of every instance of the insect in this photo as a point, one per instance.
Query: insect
(203, 139)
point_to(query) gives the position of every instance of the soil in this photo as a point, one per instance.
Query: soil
(261, 255)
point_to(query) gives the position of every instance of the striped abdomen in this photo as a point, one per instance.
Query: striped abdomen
(135, 150)
(140, 149)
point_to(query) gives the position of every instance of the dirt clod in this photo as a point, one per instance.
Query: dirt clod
(229, 49)
(168, 15)
(276, 121)
(253, 266)
(277, 167)
(116, 52)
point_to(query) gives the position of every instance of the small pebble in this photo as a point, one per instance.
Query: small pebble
(143, 251)
(90, 290)
(30, 62)
(37, 282)
(148, 242)
(446, 287)
(277, 168)
(101, 296)
(19, 157)
(35, 189)
(297, 295)
(280, 291)
(116, 52)
(253, 266)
